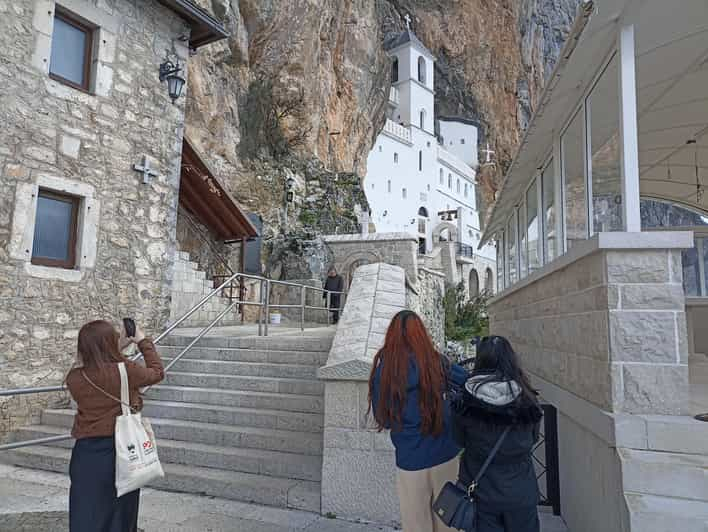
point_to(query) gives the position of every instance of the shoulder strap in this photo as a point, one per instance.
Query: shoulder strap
(488, 461)
(125, 404)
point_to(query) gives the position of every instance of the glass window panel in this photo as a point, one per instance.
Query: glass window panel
(500, 264)
(549, 212)
(703, 246)
(523, 250)
(52, 228)
(68, 51)
(575, 210)
(657, 213)
(511, 251)
(691, 272)
(603, 112)
(532, 228)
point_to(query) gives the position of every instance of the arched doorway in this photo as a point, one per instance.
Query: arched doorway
(474, 283)
(489, 281)
(422, 231)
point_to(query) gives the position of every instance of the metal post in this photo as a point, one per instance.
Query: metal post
(629, 144)
(550, 431)
(266, 306)
(329, 304)
(303, 301)
(260, 309)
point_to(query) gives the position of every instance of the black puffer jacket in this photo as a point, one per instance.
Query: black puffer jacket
(480, 414)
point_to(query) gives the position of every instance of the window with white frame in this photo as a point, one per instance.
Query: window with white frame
(603, 117)
(388, 186)
(533, 237)
(72, 49)
(466, 189)
(550, 212)
(501, 267)
(573, 163)
(511, 258)
(522, 248)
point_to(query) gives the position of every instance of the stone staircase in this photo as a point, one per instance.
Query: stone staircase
(189, 285)
(238, 417)
(666, 488)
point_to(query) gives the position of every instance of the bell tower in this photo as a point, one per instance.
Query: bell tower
(412, 77)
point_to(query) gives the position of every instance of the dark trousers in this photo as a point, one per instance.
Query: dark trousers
(93, 505)
(335, 315)
(522, 519)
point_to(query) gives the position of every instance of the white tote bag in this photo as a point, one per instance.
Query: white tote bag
(137, 463)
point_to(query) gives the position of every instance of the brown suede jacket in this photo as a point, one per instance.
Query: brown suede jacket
(97, 413)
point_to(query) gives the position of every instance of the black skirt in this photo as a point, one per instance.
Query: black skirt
(93, 505)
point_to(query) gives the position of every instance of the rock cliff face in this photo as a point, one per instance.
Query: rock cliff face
(302, 84)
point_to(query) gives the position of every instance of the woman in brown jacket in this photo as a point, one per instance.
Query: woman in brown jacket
(94, 383)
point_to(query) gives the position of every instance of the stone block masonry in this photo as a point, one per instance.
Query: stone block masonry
(607, 324)
(63, 139)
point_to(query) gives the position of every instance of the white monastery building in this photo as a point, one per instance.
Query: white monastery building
(422, 181)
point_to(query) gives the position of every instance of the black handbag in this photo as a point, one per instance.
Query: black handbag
(455, 505)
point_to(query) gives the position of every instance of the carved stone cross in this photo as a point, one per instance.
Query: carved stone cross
(407, 18)
(145, 170)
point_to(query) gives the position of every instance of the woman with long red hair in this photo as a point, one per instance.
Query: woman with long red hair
(407, 395)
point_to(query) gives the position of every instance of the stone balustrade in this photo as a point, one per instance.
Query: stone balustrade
(398, 131)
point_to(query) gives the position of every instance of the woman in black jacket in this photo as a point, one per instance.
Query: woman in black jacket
(497, 396)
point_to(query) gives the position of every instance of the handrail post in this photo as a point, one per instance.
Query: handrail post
(267, 307)
(303, 302)
(329, 307)
(260, 308)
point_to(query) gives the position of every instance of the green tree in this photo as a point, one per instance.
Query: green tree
(465, 318)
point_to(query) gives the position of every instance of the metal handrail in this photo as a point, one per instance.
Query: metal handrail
(263, 320)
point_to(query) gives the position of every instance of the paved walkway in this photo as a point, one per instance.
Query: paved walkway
(36, 501)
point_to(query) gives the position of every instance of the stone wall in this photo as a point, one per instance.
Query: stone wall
(64, 139)
(358, 471)
(353, 250)
(606, 322)
(426, 299)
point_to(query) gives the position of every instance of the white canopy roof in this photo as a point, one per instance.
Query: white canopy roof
(672, 98)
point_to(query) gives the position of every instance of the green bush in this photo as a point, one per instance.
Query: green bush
(465, 318)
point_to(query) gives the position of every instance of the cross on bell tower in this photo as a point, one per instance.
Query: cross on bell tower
(407, 18)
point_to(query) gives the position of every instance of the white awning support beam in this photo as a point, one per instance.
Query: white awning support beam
(629, 143)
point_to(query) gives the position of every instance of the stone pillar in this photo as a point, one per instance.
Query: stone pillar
(358, 470)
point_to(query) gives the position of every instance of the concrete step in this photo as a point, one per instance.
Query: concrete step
(665, 474)
(262, 343)
(235, 416)
(293, 403)
(256, 461)
(245, 383)
(209, 433)
(244, 369)
(677, 434)
(651, 513)
(247, 487)
(308, 358)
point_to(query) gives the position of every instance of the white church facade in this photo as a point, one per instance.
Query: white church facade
(421, 171)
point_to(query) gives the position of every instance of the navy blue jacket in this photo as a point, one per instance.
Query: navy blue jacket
(415, 451)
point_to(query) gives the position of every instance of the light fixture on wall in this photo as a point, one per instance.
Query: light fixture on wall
(169, 72)
(289, 194)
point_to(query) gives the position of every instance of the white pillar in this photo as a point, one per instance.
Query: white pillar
(629, 144)
(558, 199)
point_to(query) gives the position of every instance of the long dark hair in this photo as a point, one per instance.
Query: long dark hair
(496, 357)
(407, 337)
(98, 345)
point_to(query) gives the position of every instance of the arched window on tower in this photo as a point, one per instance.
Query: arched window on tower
(422, 119)
(394, 70)
(421, 69)
(449, 182)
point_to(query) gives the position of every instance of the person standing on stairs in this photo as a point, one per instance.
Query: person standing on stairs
(407, 395)
(94, 383)
(334, 286)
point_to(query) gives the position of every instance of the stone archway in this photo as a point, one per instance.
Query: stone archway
(445, 232)
(489, 281)
(474, 283)
(353, 261)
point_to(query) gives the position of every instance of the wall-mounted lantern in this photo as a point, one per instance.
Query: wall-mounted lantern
(175, 83)
(289, 194)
